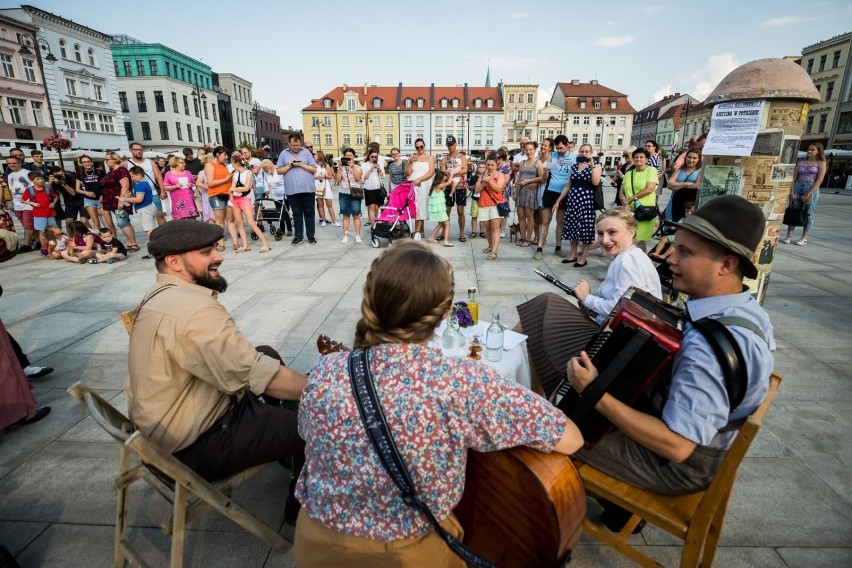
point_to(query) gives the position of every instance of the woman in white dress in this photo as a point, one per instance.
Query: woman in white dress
(420, 169)
(325, 197)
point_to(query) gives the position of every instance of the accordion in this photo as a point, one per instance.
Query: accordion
(632, 350)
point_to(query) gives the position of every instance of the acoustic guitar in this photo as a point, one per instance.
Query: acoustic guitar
(520, 507)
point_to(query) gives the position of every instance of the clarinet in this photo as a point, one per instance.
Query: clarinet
(556, 282)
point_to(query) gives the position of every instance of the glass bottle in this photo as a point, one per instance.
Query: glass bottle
(450, 340)
(494, 339)
(473, 305)
(475, 348)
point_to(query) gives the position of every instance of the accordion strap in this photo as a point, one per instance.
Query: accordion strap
(382, 440)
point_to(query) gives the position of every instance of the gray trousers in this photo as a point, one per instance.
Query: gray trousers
(622, 458)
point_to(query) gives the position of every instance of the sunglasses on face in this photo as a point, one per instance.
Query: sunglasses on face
(419, 147)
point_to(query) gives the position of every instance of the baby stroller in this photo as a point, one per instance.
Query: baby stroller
(274, 211)
(394, 219)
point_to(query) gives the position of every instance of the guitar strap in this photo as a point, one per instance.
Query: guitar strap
(380, 436)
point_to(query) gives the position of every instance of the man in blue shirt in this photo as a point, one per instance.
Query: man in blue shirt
(298, 167)
(559, 167)
(679, 451)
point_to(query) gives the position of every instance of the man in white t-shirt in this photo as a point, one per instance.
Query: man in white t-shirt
(18, 182)
(153, 176)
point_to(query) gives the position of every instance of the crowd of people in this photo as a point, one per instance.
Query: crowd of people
(220, 405)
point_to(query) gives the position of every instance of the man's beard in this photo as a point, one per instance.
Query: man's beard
(215, 283)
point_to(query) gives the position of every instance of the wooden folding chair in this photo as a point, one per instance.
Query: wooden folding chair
(695, 518)
(183, 488)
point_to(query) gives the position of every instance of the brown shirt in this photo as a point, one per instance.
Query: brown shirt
(186, 358)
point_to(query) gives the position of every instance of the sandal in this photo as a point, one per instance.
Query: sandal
(132, 248)
(487, 250)
(473, 235)
(264, 249)
(448, 244)
(221, 247)
(524, 244)
(462, 238)
(492, 256)
(482, 235)
(433, 241)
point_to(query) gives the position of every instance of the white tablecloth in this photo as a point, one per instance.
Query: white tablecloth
(513, 365)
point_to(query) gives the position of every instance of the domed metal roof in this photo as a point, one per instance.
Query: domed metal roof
(765, 79)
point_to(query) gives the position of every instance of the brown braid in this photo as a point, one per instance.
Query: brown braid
(408, 290)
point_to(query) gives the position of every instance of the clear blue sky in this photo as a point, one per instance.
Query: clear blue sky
(296, 51)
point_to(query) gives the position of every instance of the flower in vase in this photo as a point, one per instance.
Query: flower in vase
(462, 313)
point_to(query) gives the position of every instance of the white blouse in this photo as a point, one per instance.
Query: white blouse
(630, 268)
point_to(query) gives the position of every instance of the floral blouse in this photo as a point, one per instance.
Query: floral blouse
(437, 408)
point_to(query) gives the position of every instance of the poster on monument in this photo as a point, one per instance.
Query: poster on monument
(757, 182)
(733, 128)
(786, 115)
(768, 143)
(719, 180)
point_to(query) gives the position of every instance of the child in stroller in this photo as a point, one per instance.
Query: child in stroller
(394, 219)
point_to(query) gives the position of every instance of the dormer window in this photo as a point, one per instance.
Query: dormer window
(489, 103)
(326, 103)
(377, 103)
(408, 103)
(612, 104)
(444, 103)
(350, 105)
(597, 104)
(455, 103)
(582, 104)
(421, 103)
(477, 103)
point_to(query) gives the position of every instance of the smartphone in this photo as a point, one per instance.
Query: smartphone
(296, 161)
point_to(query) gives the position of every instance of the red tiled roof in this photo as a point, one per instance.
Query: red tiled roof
(386, 94)
(389, 97)
(587, 90)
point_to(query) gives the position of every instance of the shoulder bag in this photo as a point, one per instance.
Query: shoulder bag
(503, 209)
(795, 214)
(355, 191)
(381, 438)
(642, 212)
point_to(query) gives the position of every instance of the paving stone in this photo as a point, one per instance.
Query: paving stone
(16, 535)
(816, 557)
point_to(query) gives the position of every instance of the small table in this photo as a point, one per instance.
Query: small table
(513, 365)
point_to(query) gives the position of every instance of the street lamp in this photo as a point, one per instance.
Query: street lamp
(254, 110)
(201, 100)
(40, 46)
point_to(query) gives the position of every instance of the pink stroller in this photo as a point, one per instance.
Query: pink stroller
(394, 219)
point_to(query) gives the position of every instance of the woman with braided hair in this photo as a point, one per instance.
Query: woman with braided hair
(437, 407)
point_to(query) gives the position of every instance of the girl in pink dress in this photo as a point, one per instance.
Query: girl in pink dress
(180, 185)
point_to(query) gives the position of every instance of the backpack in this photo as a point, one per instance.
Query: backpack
(31, 191)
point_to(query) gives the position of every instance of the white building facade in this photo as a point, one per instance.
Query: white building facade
(242, 108)
(81, 83)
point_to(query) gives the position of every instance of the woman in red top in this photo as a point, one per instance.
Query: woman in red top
(219, 181)
(490, 190)
(115, 183)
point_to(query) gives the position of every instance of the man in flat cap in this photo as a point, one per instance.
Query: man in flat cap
(679, 449)
(195, 379)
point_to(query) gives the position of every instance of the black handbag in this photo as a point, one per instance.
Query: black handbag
(383, 193)
(795, 215)
(373, 418)
(643, 212)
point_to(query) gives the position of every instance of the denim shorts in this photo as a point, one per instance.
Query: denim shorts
(349, 206)
(218, 202)
(92, 203)
(158, 203)
(122, 219)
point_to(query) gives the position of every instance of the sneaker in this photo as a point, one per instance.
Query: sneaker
(417, 236)
(802, 242)
(112, 260)
(33, 372)
(148, 256)
(322, 224)
(440, 238)
(335, 224)
(787, 240)
(358, 238)
(345, 239)
(295, 242)
(43, 252)
(22, 249)
(538, 255)
(502, 234)
(312, 241)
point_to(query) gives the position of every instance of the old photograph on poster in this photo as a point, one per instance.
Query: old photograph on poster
(719, 180)
(766, 251)
(786, 116)
(768, 143)
(782, 172)
(790, 150)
